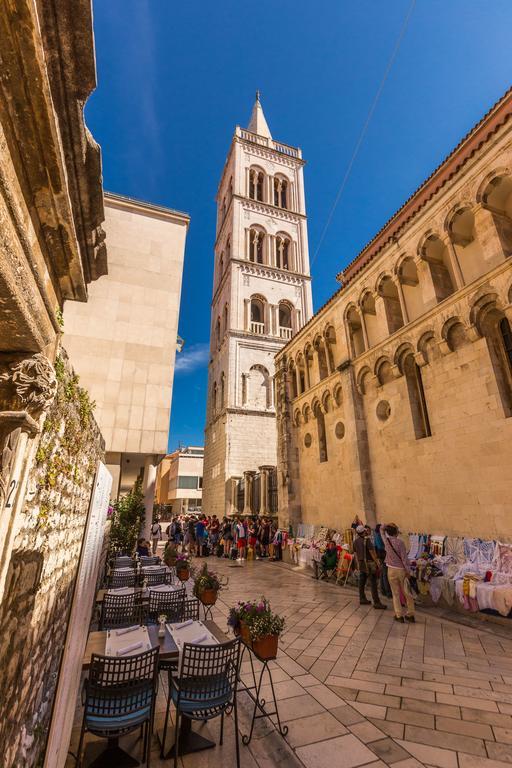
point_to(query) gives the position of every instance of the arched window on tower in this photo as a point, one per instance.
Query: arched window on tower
(257, 316)
(228, 250)
(222, 390)
(497, 332)
(256, 184)
(221, 266)
(217, 332)
(280, 192)
(256, 242)
(285, 320)
(226, 317)
(214, 397)
(283, 252)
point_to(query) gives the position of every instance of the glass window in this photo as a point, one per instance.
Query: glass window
(187, 481)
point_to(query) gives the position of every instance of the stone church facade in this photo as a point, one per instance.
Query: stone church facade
(261, 298)
(394, 402)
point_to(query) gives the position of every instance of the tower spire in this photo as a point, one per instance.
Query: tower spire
(257, 123)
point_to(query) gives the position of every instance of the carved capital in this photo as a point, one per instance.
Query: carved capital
(28, 383)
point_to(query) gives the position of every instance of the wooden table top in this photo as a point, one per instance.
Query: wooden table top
(96, 643)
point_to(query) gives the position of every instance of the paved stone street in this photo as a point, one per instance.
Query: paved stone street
(355, 688)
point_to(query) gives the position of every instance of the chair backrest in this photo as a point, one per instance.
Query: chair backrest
(122, 686)
(172, 604)
(144, 560)
(191, 609)
(120, 611)
(122, 579)
(209, 673)
(153, 578)
(123, 561)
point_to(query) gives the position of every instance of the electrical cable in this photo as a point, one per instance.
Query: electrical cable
(365, 126)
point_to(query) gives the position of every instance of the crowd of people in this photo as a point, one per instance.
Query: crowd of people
(381, 561)
(238, 538)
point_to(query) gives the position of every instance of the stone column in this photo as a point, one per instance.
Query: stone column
(401, 299)
(148, 487)
(247, 314)
(363, 328)
(487, 235)
(248, 478)
(454, 263)
(307, 371)
(271, 250)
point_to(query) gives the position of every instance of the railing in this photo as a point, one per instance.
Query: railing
(258, 328)
(285, 149)
(285, 333)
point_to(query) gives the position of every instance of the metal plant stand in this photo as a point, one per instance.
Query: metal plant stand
(253, 691)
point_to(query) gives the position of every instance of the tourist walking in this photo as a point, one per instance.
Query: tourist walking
(367, 564)
(156, 535)
(399, 572)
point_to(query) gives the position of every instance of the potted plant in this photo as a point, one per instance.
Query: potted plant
(170, 554)
(264, 628)
(206, 586)
(183, 567)
(234, 618)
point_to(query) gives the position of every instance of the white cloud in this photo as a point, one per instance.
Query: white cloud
(192, 358)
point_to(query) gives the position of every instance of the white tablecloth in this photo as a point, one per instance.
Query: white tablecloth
(116, 642)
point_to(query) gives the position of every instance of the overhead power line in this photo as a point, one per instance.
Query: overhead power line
(364, 129)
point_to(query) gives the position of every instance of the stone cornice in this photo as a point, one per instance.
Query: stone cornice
(269, 154)
(284, 214)
(274, 273)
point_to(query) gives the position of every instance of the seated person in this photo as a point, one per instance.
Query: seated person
(329, 559)
(142, 548)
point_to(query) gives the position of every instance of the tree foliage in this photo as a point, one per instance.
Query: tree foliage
(127, 520)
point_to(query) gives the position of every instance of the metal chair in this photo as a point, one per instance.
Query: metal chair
(145, 560)
(206, 687)
(119, 697)
(122, 579)
(154, 578)
(122, 561)
(172, 604)
(120, 611)
(191, 609)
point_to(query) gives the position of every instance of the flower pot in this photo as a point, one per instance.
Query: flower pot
(183, 574)
(208, 596)
(236, 631)
(244, 633)
(266, 647)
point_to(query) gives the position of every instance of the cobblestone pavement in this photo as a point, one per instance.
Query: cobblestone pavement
(358, 689)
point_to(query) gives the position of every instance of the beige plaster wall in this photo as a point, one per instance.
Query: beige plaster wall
(123, 341)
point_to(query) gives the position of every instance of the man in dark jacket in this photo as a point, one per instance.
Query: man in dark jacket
(367, 564)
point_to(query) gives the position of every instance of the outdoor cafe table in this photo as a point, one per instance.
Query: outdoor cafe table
(189, 740)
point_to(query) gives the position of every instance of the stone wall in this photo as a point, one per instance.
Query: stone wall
(42, 569)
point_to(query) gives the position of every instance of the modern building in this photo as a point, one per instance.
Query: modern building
(261, 298)
(395, 400)
(123, 342)
(179, 481)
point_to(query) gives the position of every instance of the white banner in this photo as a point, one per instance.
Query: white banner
(78, 627)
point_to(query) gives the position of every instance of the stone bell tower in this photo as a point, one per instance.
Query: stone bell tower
(261, 297)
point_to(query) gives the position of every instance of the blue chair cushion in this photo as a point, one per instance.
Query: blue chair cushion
(130, 712)
(196, 695)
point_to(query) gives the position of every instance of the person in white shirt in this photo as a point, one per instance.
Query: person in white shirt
(156, 535)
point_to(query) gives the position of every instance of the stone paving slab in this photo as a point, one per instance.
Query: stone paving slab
(357, 689)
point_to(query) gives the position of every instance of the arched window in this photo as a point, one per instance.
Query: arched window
(258, 387)
(355, 332)
(226, 318)
(370, 318)
(214, 397)
(497, 198)
(301, 375)
(285, 321)
(323, 370)
(466, 245)
(506, 335)
(223, 209)
(222, 390)
(496, 330)
(283, 252)
(256, 241)
(280, 192)
(256, 184)
(322, 437)
(257, 315)
(228, 250)
(408, 276)
(417, 401)
(221, 266)
(293, 380)
(435, 253)
(217, 332)
(389, 293)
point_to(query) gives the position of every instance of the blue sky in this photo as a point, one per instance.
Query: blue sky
(175, 78)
